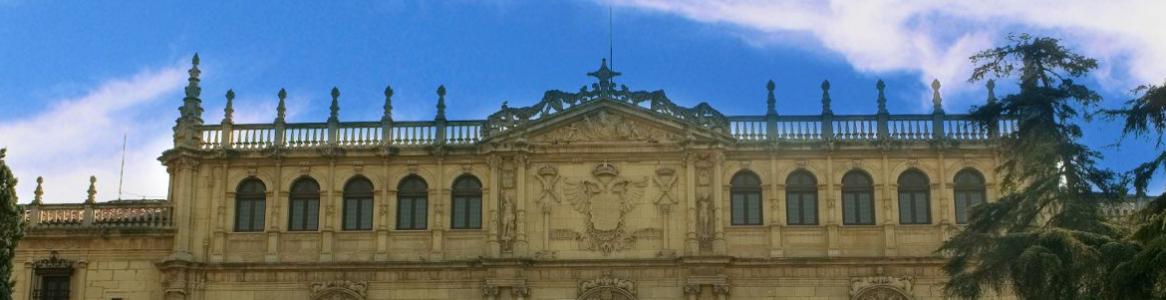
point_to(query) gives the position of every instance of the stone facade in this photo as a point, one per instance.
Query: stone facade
(600, 194)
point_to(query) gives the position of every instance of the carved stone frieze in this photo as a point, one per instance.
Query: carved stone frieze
(606, 199)
(607, 288)
(339, 290)
(603, 126)
(881, 288)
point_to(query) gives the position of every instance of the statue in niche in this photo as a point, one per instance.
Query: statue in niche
(508, 222)
(606, 200)
(665, 181)
(704, 220)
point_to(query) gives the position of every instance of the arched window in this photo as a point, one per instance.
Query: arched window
(412, 203)
(467, 203)
(250, 205)
(969, 192)
(857, 199)
(801, 199)
(745, 195)
(914, 198)
(304, 211)
(358, 204)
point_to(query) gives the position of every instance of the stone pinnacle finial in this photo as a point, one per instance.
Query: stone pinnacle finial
(882, 96)
(229, 110)
(936, 100)
(826, 98)
(92, 190)
(388, 104)
(281, 109)
(194, 72)
(770, 101)
(39, 193)
(441, 103)
(991, 91)
(334, 109)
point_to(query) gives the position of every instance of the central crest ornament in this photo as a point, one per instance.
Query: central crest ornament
(606, 199)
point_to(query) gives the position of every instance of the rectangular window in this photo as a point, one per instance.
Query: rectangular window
(964, 201)
(412, 213)
(858, 208)
(746, 208)
(913, 208)
(357, 214)
(865, 209)
(802, 208)
(467, 213)
(55, 287)
(405, 213)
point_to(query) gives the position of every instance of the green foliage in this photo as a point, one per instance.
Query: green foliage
(11, 227)
(1044, 238)
(1143, 274)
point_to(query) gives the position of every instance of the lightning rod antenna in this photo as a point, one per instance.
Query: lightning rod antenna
(122, 173)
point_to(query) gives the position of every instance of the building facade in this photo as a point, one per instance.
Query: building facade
(603, 193)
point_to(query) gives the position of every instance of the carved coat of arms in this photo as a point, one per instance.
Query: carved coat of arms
(606, 199)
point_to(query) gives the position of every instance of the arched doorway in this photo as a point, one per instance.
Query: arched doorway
(881, 293)
(607, 293)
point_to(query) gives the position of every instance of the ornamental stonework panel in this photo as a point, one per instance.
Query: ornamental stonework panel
(606, 198)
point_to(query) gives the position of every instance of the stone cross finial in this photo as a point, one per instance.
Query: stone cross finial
(92, 190)
(441, 103)
(882, 96)
(826, 98)
(281, 109)
(388, 104)
(229, 110)
(39, 193)
(604, 75)
(770, 101)
(936, 100)
(991, 91)
(334, 109)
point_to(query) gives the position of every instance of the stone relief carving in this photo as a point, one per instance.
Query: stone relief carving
(564, 235)
(605, 200)
(665, 182)
(601, 126)
(881, 288)
(548, 177)
(607, 288)
(339, 290)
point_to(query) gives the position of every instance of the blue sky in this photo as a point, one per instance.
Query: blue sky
(75, 77)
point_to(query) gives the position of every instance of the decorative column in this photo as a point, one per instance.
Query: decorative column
(440, 119)
(719, 203)
(521, 246)
(495, 200)
(692, 243)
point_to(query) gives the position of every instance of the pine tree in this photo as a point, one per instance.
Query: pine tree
(1143, 275)
(11, 227)
(1044, 238)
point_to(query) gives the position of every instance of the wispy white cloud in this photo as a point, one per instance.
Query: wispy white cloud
(935, 38)
(78, 137)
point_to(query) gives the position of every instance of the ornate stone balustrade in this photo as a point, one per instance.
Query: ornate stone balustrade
(770, 127)
(115, 214)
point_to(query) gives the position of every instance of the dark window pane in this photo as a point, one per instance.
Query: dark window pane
(865, 209)
(793, 209)
(404, 213)
(738, 209)
(420, 210)
(810, 208)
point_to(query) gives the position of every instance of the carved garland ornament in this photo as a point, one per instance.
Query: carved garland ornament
(606, 200)
(339, 290)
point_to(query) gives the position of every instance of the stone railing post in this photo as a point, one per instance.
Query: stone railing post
(937, 113)
(387, 118)
(883, 115)
(33, 211)
(334, 119)
(280, 119)
(440, 119)
(994, 127)
(87, 214)
(770, 113)
(827, 114)
(226, 133)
